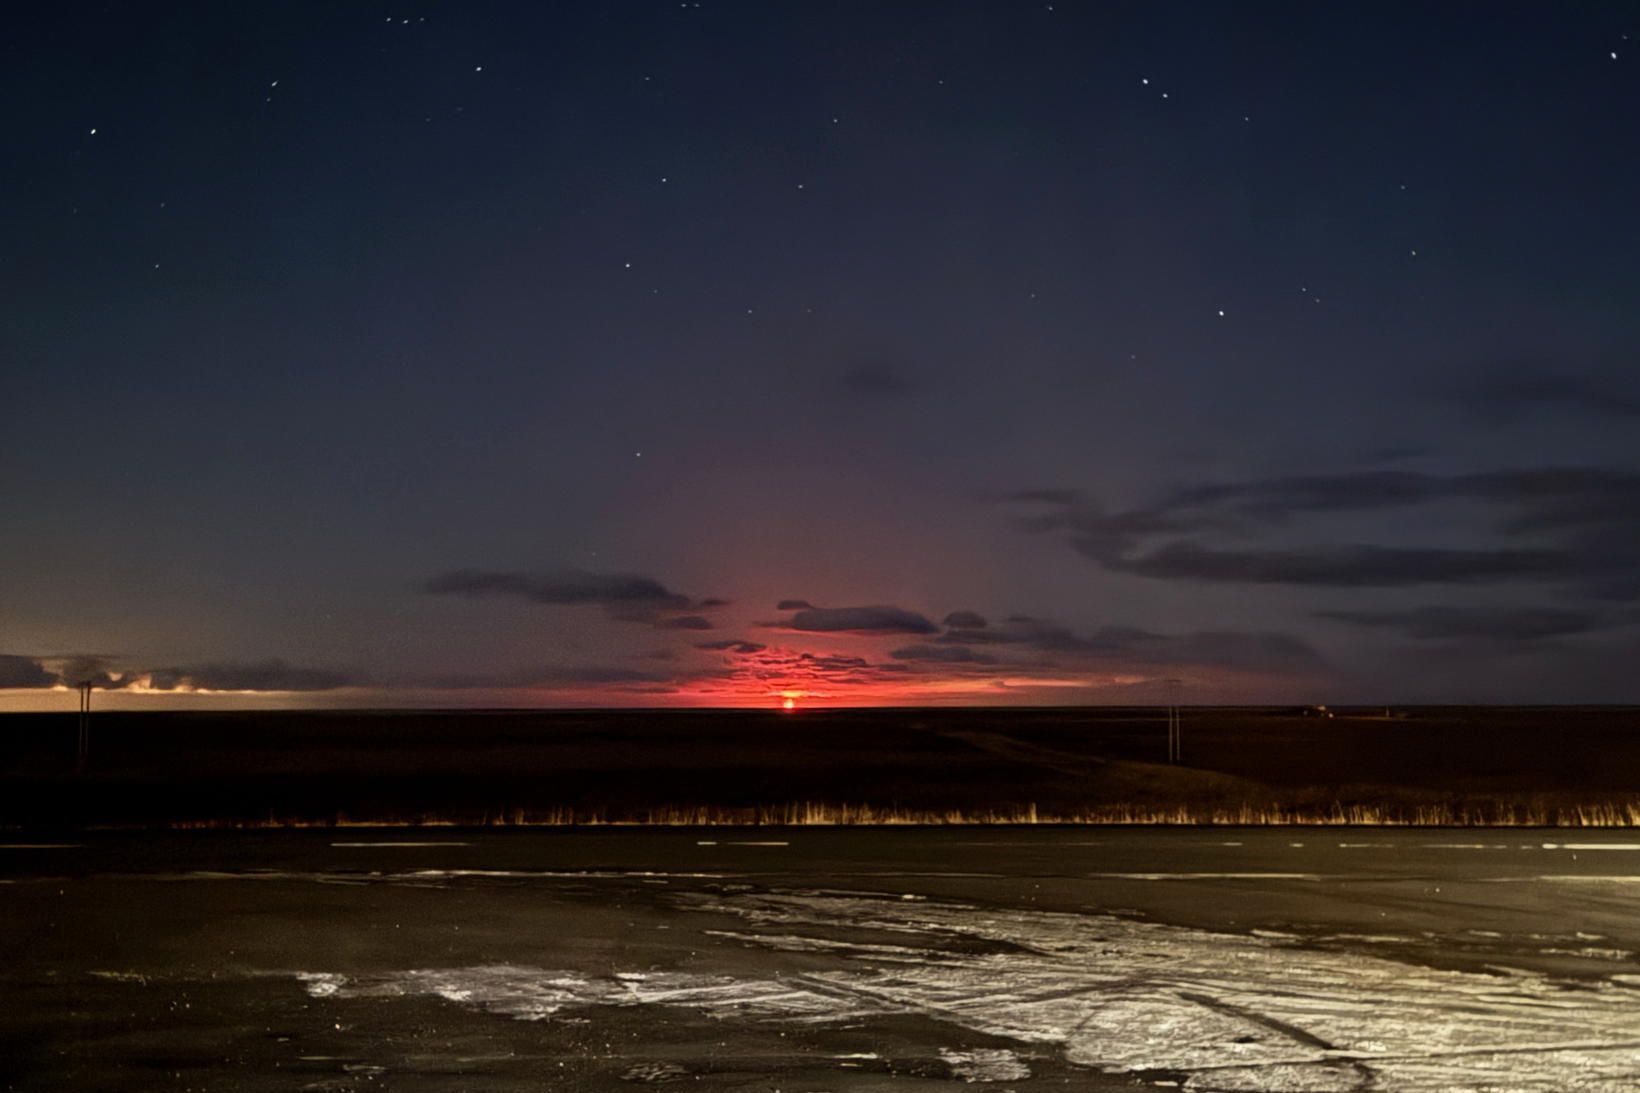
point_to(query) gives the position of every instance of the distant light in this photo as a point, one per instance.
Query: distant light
(1221, 313)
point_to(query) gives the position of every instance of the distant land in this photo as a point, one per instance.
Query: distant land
(1434, 765)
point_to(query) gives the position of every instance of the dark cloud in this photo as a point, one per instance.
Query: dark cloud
(1015, 630)
(834, 662)
(684, 622)
(772, 669)
(1518, 390)
(1240, 532)
(1278, 497)
(1479, 623)
(1241, 650)
(96, 672)
(19, 671)
(265, 675)
(733, 646)
(1114, 646)
(793, 605)
(876, 379)
(861, 620)
(965, 620)
(1526, 498)
(1358, 566)
(626, 597)
(943, 654)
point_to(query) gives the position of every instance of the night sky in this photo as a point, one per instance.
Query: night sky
(717, 353)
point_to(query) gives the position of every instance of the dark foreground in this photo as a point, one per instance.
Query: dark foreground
(1441, 765)
(808, 960)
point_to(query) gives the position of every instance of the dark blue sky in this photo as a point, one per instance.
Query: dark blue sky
(420, 353)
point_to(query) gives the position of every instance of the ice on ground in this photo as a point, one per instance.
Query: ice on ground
(985, 1065)
(654, 1072)
(1221, 1012)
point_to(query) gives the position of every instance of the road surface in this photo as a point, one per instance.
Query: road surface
(813, 959)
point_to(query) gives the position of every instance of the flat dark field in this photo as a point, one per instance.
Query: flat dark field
(1446, 764)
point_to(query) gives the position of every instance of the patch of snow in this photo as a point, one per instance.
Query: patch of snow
(985, 1065)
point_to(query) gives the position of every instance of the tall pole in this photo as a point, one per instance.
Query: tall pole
(1175, 729)
(83, 749)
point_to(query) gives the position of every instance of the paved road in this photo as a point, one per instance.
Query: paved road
(812, 959)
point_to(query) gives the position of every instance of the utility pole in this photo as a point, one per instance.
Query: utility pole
(1175, 737)
(82, 751)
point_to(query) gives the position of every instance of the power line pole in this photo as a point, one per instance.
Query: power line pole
(1175, 734)
(82, 751)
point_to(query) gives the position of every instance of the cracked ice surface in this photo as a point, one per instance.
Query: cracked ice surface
(1222, 1012)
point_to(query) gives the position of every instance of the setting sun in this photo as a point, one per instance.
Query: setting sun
(789, 704)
